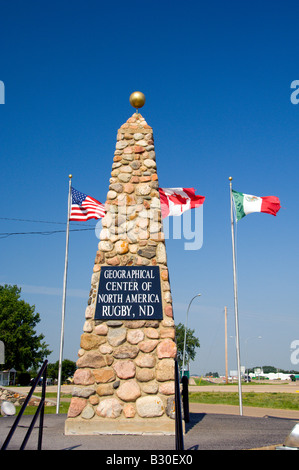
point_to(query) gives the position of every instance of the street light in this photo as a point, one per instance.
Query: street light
(197, 295)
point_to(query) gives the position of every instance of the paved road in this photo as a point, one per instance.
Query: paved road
(204, 432)
(211, 427)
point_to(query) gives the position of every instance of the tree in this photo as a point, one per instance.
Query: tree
(67, 370)
(212, 374)
(23, 347)
(191, 344)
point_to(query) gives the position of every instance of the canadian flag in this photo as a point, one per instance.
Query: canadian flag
(175, 201)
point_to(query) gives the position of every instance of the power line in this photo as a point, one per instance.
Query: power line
(31, 220)
(48, 232)
(37, 221)
(51, 232)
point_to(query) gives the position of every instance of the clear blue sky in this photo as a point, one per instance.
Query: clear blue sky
(217, 78)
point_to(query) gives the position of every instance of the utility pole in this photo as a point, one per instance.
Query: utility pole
(225, 332)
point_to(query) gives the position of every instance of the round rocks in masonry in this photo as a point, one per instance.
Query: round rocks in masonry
(125, 368)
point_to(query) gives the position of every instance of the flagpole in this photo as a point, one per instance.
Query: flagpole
(235, 298)
(64, 295)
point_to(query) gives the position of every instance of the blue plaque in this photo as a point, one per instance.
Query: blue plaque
(129, 293)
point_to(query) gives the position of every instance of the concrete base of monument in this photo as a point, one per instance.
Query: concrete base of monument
(145, 426)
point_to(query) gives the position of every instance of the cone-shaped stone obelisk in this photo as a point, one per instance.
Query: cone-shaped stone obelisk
(125, 381)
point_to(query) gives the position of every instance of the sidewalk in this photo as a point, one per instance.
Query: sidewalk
(247, 411)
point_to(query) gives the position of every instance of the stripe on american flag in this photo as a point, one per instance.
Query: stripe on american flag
(85, 207)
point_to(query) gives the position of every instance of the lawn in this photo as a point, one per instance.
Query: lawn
(30, 410)
(63, 407)
(289, 401)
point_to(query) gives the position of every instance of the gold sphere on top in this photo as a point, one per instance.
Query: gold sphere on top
(137, 99)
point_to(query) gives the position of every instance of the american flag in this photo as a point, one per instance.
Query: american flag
(85, 207)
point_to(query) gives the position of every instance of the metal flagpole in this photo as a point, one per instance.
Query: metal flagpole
(235, 298)
(64, 294)
(225, 339)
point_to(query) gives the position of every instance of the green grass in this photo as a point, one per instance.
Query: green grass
(30, 410)
(53, 395)
(203, 382)
(63, 407)
(285, 401)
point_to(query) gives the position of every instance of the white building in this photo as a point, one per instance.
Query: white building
(7, 377)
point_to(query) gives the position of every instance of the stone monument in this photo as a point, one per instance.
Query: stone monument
(125, 380)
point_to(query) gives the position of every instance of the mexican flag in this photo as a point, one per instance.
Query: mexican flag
(246, 204)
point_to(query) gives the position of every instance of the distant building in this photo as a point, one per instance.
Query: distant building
(272, 376)
(8, 377)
